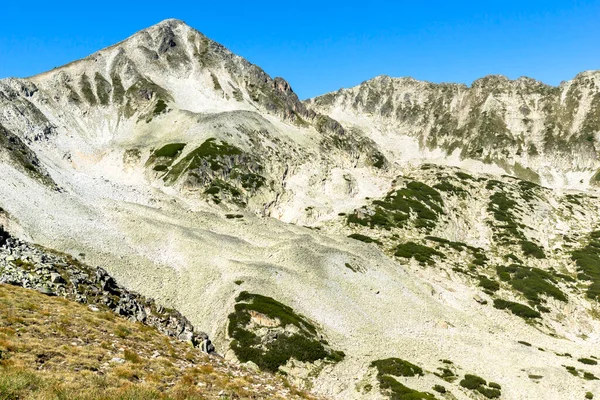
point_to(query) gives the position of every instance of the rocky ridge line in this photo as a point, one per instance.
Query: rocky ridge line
(57, 274)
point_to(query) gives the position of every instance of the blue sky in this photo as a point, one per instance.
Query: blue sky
(320, 46)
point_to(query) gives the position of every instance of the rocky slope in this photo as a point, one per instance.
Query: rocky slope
(538, 132)
(194, 178)
(55, 274)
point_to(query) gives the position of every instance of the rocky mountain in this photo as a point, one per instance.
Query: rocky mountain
(399, 239)
(541, 133)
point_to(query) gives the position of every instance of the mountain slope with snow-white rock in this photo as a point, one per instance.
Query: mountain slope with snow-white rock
(192, 176)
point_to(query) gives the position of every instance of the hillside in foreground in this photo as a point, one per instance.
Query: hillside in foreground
(53, 348)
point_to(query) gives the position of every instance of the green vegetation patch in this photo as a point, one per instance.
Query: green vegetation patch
(532, 249)
(86, 90)
(422, 254)
(447, 187)
(587, 260)
(159, 108)
(249, 180)
(210, 154)
(417, 202)
(390, 367)
(531, 282)
(587, 361)
(103, 89)
(171, 150)
(270, 353)
(488, 284)
(363, 238)
(502, 208)
(476, 383)
(518, 309)
(397, 367)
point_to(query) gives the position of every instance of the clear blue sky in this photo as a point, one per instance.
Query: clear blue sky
(320, 46)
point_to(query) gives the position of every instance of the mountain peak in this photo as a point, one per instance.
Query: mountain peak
(171, 22)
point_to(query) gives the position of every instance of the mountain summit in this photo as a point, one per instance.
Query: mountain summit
(396, 239)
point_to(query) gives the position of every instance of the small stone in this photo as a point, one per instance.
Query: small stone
(251, 366)
(46, 290)
(117, 360)
(93, 308)
(55, 277)
(141, 316)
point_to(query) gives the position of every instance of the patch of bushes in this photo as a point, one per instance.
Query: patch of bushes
(458, 246)
(417, 201)
(364, 238)
(587, 260)
(397, 367)
(422, 254)
(531, 282)
(249, 180)
(446, 374)
(588, 376)
(439, 389)
(532, 249)
(210, 153)
(488, 284)
(464, 176)
(171, 150)
(390, 367)
(502, 208)
(518, 309)
(159, 108)
(447, 187)
(398, 391)
(303, 345)
(587, 361)
(474, 382)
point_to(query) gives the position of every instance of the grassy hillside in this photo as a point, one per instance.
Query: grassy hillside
(52, 348)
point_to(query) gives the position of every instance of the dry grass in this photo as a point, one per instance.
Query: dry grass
(52, 348)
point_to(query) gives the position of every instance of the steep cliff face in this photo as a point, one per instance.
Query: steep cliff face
(538, 132)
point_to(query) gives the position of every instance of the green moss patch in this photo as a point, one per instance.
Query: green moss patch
(272, 351)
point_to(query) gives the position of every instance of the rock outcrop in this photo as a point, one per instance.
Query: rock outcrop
(56, 274)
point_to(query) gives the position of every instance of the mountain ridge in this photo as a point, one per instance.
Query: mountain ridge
(331, 239)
